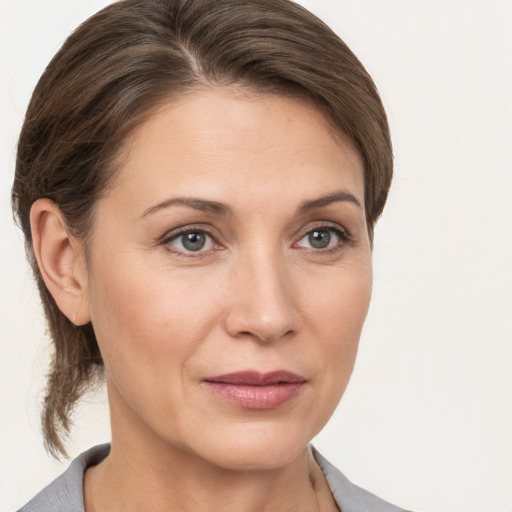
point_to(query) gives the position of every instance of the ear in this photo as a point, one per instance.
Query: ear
(61, 260)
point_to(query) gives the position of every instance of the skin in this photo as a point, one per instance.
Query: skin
(257, 296)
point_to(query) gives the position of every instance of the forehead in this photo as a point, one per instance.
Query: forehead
(238, 141)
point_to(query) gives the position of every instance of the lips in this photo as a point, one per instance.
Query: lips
(255, 390)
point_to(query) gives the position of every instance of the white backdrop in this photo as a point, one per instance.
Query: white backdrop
(427, 419)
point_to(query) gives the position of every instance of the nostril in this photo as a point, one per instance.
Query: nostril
(264, 337)
(263, 307)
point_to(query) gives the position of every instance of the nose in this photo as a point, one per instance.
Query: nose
(262, 303)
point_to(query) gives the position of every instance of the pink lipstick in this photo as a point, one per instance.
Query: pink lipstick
(255, 390)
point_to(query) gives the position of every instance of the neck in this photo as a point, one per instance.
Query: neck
(143, 472)
(184, 483)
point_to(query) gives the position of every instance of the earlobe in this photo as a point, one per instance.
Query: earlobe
(60, 260)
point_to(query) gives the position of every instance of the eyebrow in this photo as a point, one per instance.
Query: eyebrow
(192, 202)
(340, 196)
(217, 208)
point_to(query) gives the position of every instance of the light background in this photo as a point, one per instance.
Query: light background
(427, 419)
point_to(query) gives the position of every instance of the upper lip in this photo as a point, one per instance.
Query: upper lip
(255, 378)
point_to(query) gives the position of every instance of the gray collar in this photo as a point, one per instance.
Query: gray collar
(350, 497)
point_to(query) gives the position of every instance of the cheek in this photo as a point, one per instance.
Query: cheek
(337, 313)
(148, 336)
(140, 316)
(338, 303)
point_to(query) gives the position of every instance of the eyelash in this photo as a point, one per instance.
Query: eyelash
(176, 234)
(343, 235)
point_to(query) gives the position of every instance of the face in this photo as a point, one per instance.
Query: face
(229, 276)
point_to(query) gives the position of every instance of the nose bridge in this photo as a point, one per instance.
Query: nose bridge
(263, 303)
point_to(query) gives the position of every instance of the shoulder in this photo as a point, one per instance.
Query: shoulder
(65, 493)
(349, 497)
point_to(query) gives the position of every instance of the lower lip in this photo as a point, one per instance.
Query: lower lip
(256, 397)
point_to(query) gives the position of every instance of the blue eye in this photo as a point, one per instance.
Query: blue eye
(322, 238)
(192, 241)
(319, 239)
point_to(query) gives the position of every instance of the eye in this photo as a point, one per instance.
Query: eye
(191, 241)
(323, 238)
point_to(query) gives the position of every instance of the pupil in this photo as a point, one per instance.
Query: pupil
(194, 241)
(319, 239)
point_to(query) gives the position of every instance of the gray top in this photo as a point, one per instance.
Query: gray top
(65, 494)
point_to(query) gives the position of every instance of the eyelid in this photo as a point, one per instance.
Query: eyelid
(339, 230)
(175, 233)
(327, 225)
(186, 228)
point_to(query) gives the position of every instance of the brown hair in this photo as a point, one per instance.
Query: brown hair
(109, 76)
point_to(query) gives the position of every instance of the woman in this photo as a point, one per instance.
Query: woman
(198, 182)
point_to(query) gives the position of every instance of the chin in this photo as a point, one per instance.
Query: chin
(255, 447)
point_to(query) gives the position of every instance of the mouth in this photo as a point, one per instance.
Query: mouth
(255, 390)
